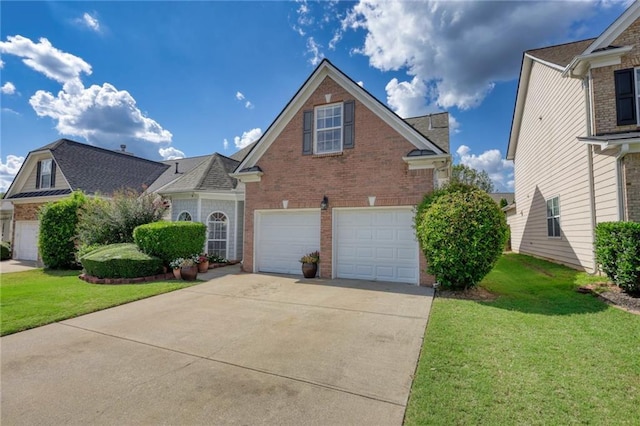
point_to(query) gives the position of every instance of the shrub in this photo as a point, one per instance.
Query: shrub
(58, 221)
(120, 261)
(111, 221)
(5, 250)
(617, 248)
(462, 233)
(171, 240)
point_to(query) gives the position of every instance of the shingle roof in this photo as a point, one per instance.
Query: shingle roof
(239, 156)
(497, 196)
(211, 174)
(47, 193)
(561, 54)
(185, 165)
(434, 127)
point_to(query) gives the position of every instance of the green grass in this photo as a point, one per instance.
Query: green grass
(34, 298)
(540, 354)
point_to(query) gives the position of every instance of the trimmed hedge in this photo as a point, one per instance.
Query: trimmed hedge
(618, 252)
(170, 240)
(5, 250)
(58, 221)
(462, 233)
(120, 261)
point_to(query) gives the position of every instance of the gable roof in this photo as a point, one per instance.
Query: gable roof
(561, 54)
(434, 127)
(239, 156)
(210, 174)
(95, 170)
(323, 70)
(175, 170)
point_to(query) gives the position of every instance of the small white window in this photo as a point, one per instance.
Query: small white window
(328, 129)
(217, 225)
(553, 217)
(185, 216)
(45, 174)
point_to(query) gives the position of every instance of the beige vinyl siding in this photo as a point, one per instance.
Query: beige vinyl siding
(605, 182)
(30, 183)
(550, 162)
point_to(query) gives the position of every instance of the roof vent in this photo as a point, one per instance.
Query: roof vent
(177, 172)
(123, 148)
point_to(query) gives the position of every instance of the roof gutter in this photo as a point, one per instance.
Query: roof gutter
(579, 66)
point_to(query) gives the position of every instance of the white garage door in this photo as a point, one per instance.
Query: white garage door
(284, 237)
(26, 240)
(376, 244)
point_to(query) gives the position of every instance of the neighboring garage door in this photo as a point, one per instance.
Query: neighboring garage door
(25, 245)
(376, 244)
(283, 237)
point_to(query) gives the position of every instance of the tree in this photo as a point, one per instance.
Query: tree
(503, 202)
(465, 174)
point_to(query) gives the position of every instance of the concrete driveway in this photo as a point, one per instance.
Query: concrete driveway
(239, 349)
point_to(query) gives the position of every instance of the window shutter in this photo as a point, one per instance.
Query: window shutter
(53, 174)
(38, 174)
(349, 115)
(625, 97)
(307, 133)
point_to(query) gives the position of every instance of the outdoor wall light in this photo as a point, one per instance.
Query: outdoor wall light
(285, 204)
(372, 200)
(324, 203)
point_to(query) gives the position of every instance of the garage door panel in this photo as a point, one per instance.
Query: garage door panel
(26, 240)
(284, 237)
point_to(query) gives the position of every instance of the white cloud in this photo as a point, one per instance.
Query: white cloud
(239, 96)
(454, 125)
(170, 153)
(408, 99)
(225, 144)
(500, 171)
(1, 64)
(313, 49)
(8, 88)
(43, 57)
(460, 48)
(10, 111)
(90, 21)
(247, 138)
(248, 105)
(361, 83)
(8, 170)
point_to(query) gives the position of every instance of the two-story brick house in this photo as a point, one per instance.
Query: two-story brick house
(339, 172)
(575, 142)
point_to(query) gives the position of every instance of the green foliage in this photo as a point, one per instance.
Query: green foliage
(120, 261)
(111, 221)
(466, 175)
(171, 240)
(503, 202)
(618, 251)
(462, 233)
(58, 221)
(5, 250)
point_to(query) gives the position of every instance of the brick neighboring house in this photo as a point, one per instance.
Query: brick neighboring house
(575, 142)
(339, 172)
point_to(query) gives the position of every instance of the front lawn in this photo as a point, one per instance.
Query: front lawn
(34, 298)
(540, 354)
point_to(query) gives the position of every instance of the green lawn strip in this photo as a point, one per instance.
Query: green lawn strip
(38, 297)
(540, 354)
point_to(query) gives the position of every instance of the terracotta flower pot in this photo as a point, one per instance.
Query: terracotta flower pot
(309, 270)
(189, 273)
(203, 266)
(176, 273)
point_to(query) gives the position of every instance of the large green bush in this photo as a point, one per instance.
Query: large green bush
(617, 247)
(58, 221)
(170, 240)
(112, 220)
(462, 233)
(5, 250)
(120, 261)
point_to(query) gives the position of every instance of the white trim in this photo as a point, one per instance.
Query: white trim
(199, 210)
(619, 25)
(521, 95)
(247, 177)
(235, 231)
(579, 66)
(547, 63)
(28, 167)
(180, 214)
(316, 130)
(547, 217)
(226, 248)
(427, 161)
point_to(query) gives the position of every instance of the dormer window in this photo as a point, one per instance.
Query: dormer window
(45, 174)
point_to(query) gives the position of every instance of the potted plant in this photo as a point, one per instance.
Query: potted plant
(203, 263)
(215, 260)
(189, 269)
(175, 265)
(310, 264)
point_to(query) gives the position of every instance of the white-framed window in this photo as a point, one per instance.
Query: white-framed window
(328, 128)
(184, 216)
(638, 95)
(553, 217)
(217, 226)
(45, 174)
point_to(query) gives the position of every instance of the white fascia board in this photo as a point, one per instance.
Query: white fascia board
(579, 66)
(521, 95)
(623, 22)
(547, 63)
(28, 167)
(247, 177)
(427, 161)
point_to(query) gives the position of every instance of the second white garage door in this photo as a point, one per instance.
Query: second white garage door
(26, 240)
(376, 244)
(283, 237)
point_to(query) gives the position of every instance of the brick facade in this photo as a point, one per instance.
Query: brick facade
(26, 211)
(373, 167)
(631, 186)
(604, 98)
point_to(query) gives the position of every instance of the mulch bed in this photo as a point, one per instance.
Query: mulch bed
(477, 294)
(614, 296)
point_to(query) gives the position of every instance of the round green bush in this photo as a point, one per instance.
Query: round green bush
(58, 221)
(617, 247)
(120, 261)
(170, 240)
(5, 250)
(462, 233)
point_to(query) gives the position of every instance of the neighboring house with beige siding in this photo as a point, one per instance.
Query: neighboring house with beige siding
(575, 143)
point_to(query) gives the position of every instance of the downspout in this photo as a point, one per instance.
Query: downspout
(592, 192)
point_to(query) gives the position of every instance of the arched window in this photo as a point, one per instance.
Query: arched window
(217, 225)
(185, 216)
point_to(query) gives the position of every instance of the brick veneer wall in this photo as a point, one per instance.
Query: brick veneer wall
(373, 167)
(604, 98)
(631, 182)
(26, 211)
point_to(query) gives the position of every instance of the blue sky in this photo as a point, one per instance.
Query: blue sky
(191, 78)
